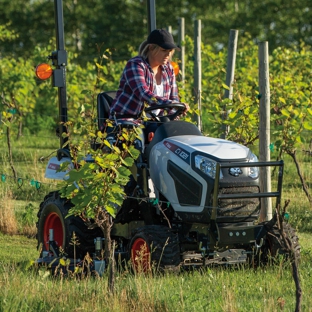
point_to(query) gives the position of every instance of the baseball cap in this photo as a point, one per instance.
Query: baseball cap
(163, 38)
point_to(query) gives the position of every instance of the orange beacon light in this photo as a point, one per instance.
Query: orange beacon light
(44, 71)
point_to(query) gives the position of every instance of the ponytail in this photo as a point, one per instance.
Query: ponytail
(143, 49)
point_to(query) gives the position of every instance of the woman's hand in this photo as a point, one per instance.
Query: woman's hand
(187, 108)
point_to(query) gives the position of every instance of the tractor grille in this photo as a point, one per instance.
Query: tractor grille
(241, 207)
(189, 190)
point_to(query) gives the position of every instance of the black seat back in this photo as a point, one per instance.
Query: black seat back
(104, 102)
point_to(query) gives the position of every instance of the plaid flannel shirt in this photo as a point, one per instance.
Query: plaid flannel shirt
(138, 86)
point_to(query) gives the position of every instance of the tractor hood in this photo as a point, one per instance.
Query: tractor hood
(218, 149)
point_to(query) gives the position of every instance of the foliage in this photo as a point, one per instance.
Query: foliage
(96, 183)
(28, 217)
(122, 24)
(18, 89)
(6, 34)
(291, 96)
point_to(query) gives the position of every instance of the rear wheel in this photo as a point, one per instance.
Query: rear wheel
(154, 247)
(52, 215)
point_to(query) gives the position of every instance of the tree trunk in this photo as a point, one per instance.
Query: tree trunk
(20, 127)
(109, 249)
(10, 152)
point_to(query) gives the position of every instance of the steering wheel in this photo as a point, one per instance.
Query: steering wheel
(180, 108)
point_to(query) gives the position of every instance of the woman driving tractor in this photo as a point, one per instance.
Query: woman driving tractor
(148, 78)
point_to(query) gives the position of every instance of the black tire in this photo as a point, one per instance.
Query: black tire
(52, 214)
(154, 247)
(274, 245)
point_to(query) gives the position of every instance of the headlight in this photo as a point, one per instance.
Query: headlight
(207, 166)
(253, 171)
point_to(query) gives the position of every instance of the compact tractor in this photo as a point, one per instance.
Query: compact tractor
(197, 199)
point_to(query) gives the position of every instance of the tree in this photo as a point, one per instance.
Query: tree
(96, 189)
(123, 24)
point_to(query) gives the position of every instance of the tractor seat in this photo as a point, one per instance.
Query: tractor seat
(104, 102)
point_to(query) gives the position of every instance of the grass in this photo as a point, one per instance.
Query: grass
(212, 289)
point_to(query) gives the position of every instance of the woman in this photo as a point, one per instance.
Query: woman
(147, 78)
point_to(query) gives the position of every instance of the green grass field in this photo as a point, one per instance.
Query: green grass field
(211, 289)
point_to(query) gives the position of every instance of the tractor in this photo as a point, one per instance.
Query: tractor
(196, 202)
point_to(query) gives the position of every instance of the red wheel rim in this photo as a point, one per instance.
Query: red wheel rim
(140, 255)
(54, 222)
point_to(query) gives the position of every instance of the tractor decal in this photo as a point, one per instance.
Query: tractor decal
(183, 154)
(53, 166)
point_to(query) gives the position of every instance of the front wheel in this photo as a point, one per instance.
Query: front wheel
(154, 247)
(274, 246)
